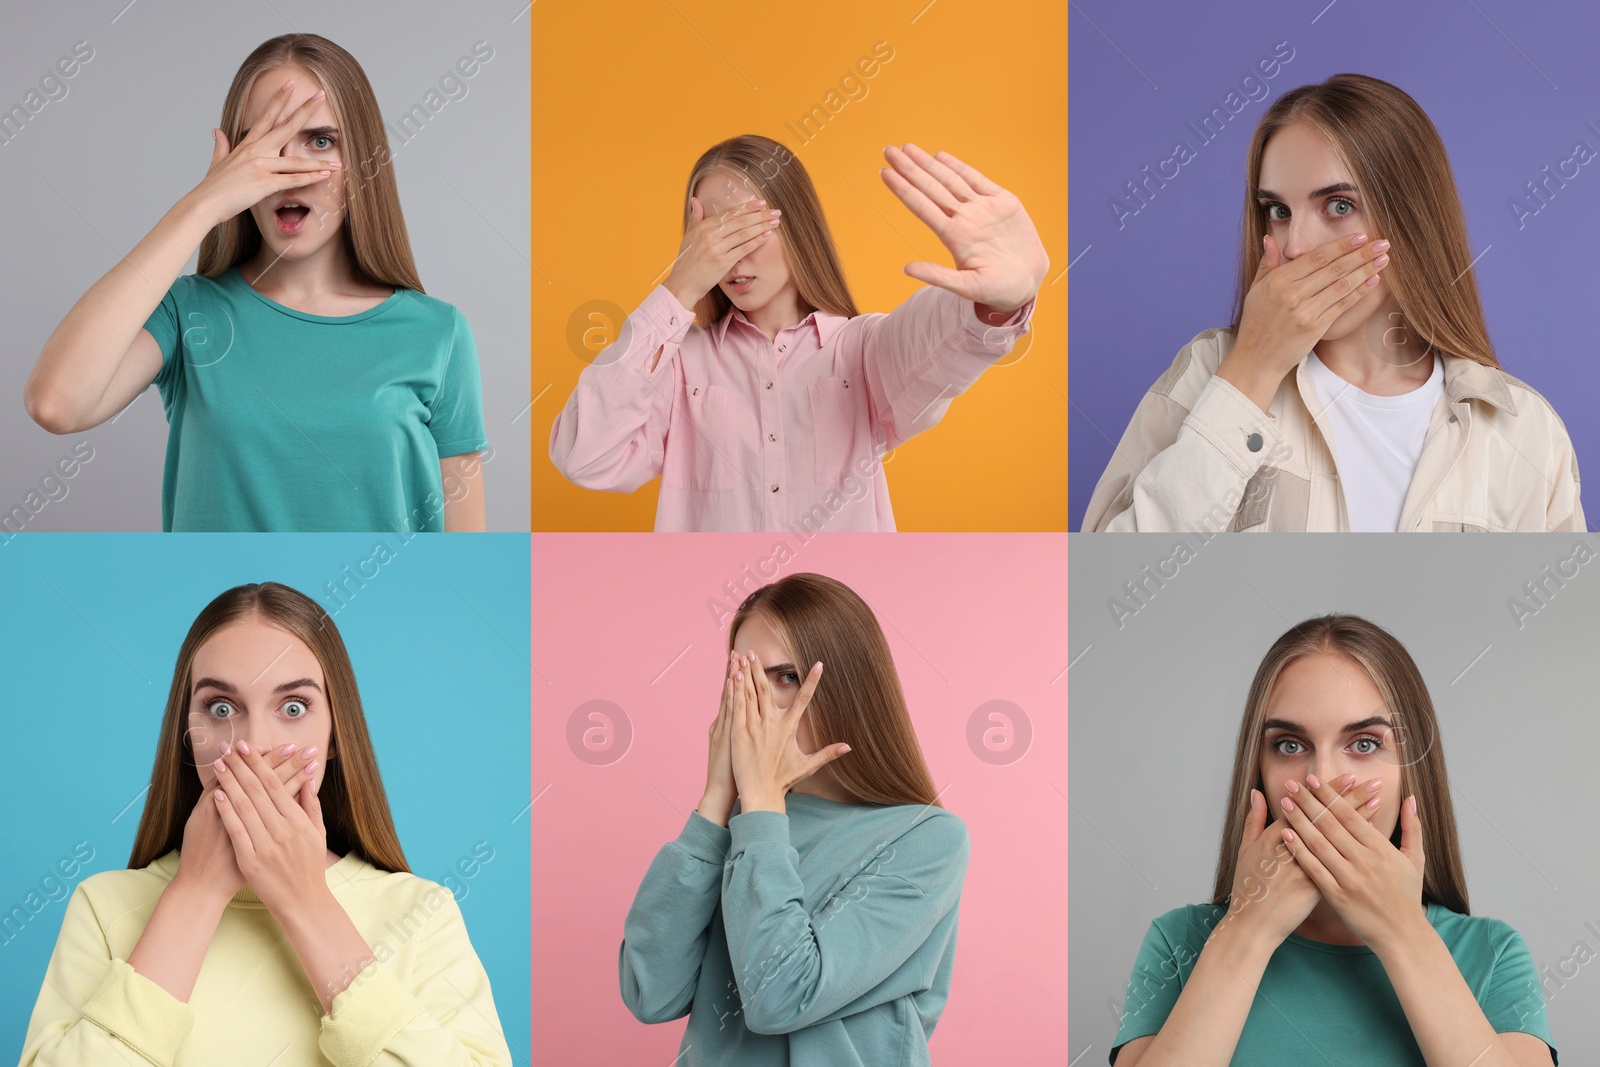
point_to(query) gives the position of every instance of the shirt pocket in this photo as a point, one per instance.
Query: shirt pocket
(837, 428)
(702, 445)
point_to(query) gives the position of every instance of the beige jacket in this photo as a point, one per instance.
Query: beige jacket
(1199, 456)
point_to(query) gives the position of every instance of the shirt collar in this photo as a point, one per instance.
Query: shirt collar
(825, 323)
(1466, 379)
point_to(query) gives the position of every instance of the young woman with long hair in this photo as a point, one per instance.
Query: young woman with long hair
(1339, 933)
(807, 911)
(1350, 392)
(267, 911)
(309, 382)
(748, 381)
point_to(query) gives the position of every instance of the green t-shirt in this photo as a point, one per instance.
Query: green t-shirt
(1323, 1003)
(285, 421)
(826, 935)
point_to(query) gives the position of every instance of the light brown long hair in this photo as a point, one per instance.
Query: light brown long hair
(355, 809)
(1397, 160)
(374, 229)
(778, 177)
(858, 699)
(1416, 737)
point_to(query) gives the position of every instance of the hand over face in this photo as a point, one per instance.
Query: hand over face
(1375, 888)
(766, 757)
(279, 841)
(1271, 892)
(206, 857)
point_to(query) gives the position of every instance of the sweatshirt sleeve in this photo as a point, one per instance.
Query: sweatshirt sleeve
(925, 353)
(442, 1015)
(1187, 455)
(795, 969)
(612, 434)
(668, 928)
(94, 1009)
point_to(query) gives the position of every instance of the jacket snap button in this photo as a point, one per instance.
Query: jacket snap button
(1253, 442)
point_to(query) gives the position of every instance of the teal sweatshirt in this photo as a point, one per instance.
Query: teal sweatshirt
(824, 936)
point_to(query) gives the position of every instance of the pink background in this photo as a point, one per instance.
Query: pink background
(969, 618)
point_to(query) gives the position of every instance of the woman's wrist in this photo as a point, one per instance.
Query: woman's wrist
(193, 212)
(1242, 943)
(763, 800)
(683, 294)
(716, 806)
(191, 893)
(994, 315)
(1408, 936)
(1249, 375)
(304, 912)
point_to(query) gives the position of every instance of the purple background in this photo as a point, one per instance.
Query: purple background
(1511, 87)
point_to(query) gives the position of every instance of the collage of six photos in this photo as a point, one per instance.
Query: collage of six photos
(548, 534)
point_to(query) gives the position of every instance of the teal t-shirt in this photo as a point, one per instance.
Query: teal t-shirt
(285, 421)
(1320, 1003)
(826, 935)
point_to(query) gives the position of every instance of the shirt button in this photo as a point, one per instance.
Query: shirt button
(673, 321)
(774, 487)
(772, 437)
(769, 385)
(783, 348)
(1253, 442)
(696, 391)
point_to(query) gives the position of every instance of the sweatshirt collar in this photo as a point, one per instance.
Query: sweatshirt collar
(348, 866)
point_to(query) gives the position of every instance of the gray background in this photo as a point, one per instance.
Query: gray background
(1155, 709)
(94, 171)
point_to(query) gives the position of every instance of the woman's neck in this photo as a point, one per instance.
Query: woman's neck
(327, 272)
(1384, 357)
(823, 784)
(777, 314)
(1324, 924)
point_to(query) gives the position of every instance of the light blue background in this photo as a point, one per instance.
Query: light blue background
(91, 628)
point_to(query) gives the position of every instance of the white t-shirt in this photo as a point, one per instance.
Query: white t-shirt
(1376, 442)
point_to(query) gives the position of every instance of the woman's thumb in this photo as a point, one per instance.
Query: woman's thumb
(1255, 821)
(1271, 255)
(219, 144)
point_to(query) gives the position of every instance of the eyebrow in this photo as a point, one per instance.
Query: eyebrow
(1294, 727)
(780, 668)
(1316, 194)
(218, 683)
(309, 131)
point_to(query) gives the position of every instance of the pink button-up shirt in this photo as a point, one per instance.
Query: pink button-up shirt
(787, 433)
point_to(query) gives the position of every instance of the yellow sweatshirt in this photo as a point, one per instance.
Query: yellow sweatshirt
(426, 1000)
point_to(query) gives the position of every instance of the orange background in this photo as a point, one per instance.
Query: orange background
(627, 95)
